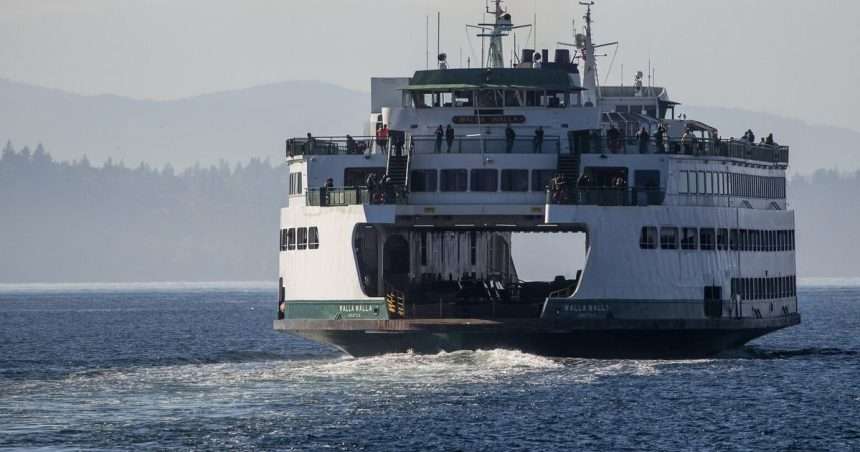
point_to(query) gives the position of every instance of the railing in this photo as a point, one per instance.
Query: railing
(769, 153)
(351, 196)
(334, 146)
(606, 196)
(428, 144)
(422, 145)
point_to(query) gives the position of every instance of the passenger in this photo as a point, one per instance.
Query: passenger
(687, 141)
(769, 140)
(538, 140)
(310, 144)
(644, 138)
(371, 182)
(659, 137)
(440, 135)
(449, 137)
(351, 147)
(750, 136)
(382, 138)
(613, 139)
(398, 140)
(510, 137)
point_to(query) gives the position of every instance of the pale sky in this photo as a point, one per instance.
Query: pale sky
(794, 58)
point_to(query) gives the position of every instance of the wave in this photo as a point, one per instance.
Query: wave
(756, 352)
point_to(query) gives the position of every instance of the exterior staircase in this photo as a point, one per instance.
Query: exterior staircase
(398, 168)
(568, 166)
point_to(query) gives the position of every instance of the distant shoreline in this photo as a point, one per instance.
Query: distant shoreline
(163, 286)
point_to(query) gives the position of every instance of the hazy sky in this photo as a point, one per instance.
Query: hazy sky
(795, 58)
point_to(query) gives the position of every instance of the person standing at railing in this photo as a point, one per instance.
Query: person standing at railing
(351, 147)
(538, 140)
(613, 138)
(449, 137)
(644, 138)
(382, 138)
(687, 141)
(510, 137)
(769, 140)
(440, 135)
(659, 139)
(311, 144)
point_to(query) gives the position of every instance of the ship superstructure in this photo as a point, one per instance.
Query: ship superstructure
(401, 240)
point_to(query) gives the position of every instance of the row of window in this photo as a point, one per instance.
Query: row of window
(731, 184)
(716, 239)
(479, 180)
(295, 185)
(764, 288)
(300, 239)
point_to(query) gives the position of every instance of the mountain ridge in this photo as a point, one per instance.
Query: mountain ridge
(235, 125)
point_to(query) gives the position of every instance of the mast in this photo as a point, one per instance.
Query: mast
(589, 76)
(497, 30)
(502, 25)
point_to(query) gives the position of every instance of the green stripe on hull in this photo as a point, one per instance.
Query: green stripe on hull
(374, 309)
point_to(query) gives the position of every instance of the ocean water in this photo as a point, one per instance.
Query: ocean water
(198, 367)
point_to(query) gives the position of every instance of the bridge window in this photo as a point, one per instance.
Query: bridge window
(707, 239)
(303, 239)
(423, 181)
(734, 240)
(648, 238)
(690, 239)
(291, 239)
(515, 180)
(669, 238)
(485, 180)
(722, 239)
(453, 180)
(313, 238)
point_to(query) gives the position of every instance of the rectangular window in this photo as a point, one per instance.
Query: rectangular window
(295, 183)
(541, 178)
(485, 180)
(423, 181)
(707, 239)
(313, 238)
(733, 240)
(722, 239)
(291, 239)
(648, 238)
(690, 239)
(700, 182)
(283, 240)
(709, 183)
(745, 240)
(669, 238)
(453, 180)
(303, 239)
(515, 180)
(683, 185)
(755, 239)
(423, 250)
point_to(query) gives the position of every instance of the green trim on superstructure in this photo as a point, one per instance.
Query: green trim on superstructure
(373, 309)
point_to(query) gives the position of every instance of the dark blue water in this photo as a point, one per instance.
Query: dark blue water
(138, 368)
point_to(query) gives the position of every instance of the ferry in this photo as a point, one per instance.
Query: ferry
(401, 240)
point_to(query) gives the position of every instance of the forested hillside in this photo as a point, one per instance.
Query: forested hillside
(75, 222)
